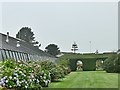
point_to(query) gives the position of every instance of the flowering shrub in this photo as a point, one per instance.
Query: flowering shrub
(43, 75)
(66, 70)
(17, 75)
(56, 71)
(55, 74)
(30, 75)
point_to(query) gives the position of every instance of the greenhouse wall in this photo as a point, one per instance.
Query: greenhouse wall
(25, 52)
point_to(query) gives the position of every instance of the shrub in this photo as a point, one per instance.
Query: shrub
(32, 74)
(66, 70)
(17, 75)
(56, 71)
(55, 74)
(42, 75)
(112, 64)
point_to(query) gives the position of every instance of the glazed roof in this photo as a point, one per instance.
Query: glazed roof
(24, 46)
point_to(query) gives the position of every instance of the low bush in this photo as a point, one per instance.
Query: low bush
(32, 74)
(112, 64)
(18, 75)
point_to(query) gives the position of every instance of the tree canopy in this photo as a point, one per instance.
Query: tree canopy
(26, 34)
(52, 49)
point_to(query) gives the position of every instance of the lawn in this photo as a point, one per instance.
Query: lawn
(88, 79)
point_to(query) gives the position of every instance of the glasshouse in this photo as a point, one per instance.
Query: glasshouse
(20, 50)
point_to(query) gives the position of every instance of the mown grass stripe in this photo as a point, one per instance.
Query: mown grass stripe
(88, 79)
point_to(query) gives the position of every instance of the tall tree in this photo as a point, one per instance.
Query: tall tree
(27, 35)
(74, 47)
(52, 49)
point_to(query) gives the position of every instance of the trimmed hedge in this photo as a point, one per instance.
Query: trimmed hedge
(112, 64)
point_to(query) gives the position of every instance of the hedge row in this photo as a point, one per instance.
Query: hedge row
(112, 64)
(30, 75)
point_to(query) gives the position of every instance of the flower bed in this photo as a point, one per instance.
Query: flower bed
(31, 75)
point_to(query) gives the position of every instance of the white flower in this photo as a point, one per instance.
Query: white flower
(15, 78)
(2, 80)
(17, 82)
(25, 86)
(10, 77)
(21, 72)
(32, 76)
(44, 77)
(42, 71)
(24, 75)
(46, 82)
(19, 85)
(5, 77)
(18, 61)
(43, 80)
(33, 79)
(38, 81)
(24, 71)
(16, 74)
(20, 65)
(4, 84)
(20, 82)
(26, 82)
(30, 80)
(6, 81)
(10, 86)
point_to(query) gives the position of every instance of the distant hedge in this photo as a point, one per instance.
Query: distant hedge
(112, 64)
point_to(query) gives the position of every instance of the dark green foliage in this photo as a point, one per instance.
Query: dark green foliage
(52, 49)
(57, 71)
(112, 64)
(27, 35)
(89, 64)
(65, 65)
(66, 70)
(64, 62)
(46, 65)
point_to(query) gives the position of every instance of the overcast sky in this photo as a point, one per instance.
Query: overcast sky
(64, 23)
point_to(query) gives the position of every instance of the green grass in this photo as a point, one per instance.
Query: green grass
(88, 79)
